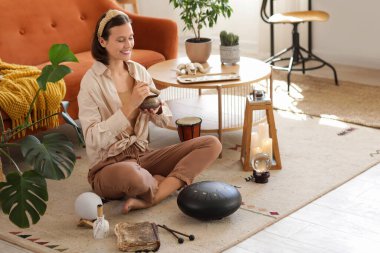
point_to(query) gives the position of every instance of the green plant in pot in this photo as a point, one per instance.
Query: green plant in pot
(197, 15)
(23, 194)
(229, 48)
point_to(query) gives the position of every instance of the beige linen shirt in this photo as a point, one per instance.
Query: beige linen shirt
(105, 127)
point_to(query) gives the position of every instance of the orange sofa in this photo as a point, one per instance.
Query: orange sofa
(29, 27)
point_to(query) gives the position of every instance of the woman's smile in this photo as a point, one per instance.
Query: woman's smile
(126, 52)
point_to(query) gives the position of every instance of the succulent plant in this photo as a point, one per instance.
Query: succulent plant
(228, 39)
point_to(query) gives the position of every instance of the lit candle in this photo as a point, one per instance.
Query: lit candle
(254, 140)
(263, 132)
(267, 147)
(256, 150)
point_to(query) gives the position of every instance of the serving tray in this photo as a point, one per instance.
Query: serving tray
(187, 79)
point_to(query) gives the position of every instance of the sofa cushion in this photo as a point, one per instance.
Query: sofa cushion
(147, 57)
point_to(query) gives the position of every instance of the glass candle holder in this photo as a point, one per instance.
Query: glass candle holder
(261, 165)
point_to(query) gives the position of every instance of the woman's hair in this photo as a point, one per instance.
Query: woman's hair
(108, 20)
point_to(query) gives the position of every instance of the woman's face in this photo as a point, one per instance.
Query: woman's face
(120, 42)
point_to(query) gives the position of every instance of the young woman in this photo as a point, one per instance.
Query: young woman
(116, 130)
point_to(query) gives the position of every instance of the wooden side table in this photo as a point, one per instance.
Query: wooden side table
(245, 155)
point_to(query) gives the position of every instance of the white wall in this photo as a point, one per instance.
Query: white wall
(350, 37)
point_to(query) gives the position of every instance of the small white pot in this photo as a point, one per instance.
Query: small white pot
(229, 54)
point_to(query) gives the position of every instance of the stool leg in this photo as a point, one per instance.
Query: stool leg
(290, 71)
(244, 135)
(220, 115)
(328, 64)
(273, 135)
(274, 57)
(303, 62)
(271, 84)
(246, 139)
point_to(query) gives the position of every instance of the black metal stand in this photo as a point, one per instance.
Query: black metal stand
(297, 58)
(271, 10)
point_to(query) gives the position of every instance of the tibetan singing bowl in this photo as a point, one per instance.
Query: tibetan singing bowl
(151, 102)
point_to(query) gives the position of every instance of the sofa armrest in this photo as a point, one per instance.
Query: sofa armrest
(156, 34)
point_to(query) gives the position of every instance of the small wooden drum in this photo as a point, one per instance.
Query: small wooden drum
(188, 128)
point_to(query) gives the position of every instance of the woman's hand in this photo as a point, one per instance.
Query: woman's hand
(139, 93)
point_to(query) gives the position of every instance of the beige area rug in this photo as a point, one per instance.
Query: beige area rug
(317, 156)
(350, 102)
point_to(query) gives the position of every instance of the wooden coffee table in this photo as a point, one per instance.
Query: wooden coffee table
(220, 104)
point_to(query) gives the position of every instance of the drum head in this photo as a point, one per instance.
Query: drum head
(188, 121)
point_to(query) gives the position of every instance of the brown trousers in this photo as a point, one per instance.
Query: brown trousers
(124, 177)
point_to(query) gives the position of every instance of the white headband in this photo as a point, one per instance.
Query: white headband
(110, 14)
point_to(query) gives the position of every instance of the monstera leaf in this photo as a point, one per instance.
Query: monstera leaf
(54, 72)
(53, 158)
(59, 53)
(23, 195)
(51, 73)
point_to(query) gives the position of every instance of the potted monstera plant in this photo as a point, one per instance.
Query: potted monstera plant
(23, 192)
(196, 15)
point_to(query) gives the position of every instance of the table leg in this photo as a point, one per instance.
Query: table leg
(220, 119)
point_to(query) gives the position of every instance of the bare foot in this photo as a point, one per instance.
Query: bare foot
(133, 203)
(159, 178)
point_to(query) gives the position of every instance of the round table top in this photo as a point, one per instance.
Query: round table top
(250, 70)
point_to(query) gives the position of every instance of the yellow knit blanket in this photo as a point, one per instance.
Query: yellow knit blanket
(18, 86)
